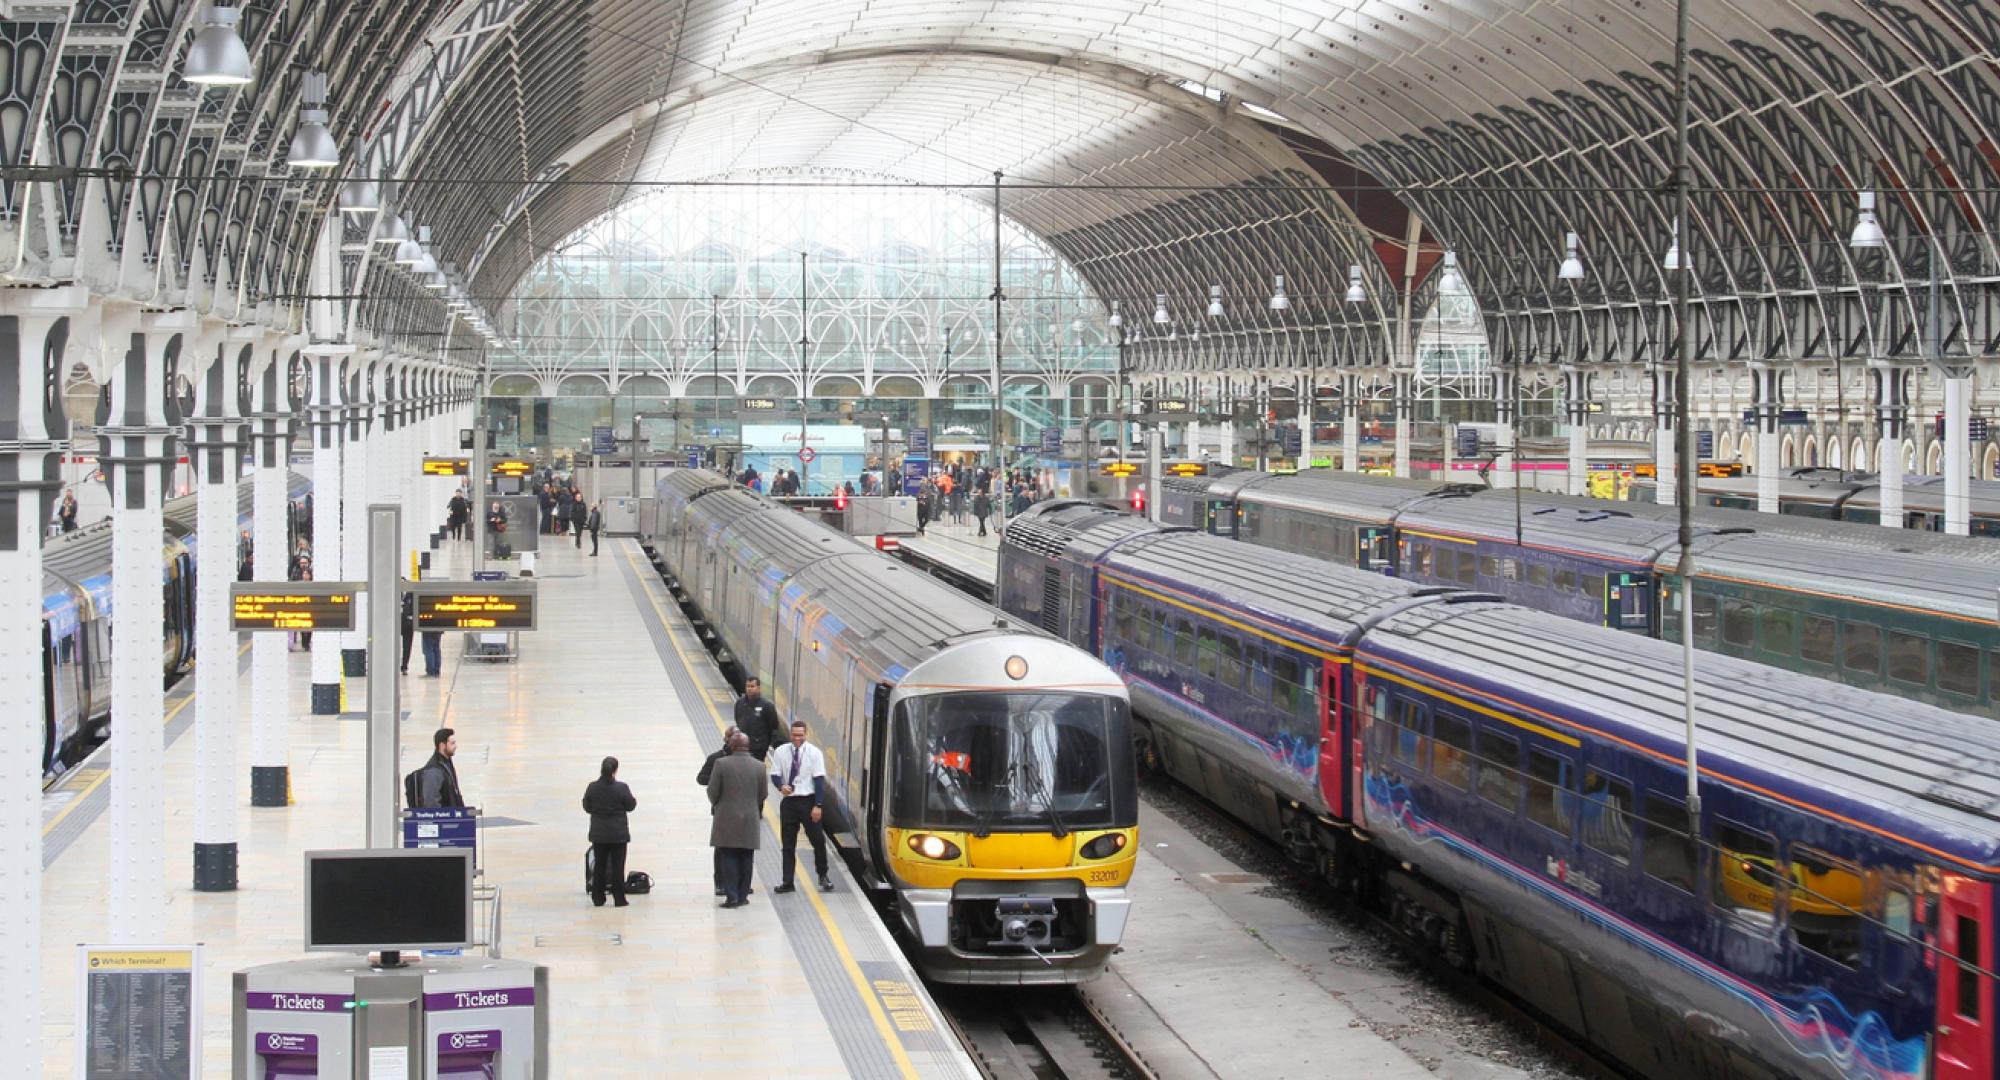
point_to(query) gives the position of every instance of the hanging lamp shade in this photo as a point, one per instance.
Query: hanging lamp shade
(1451, 281)
(391, 230)
(1355, 293)
(1867, 230)
(1572, 264)
(217, 56)
(1673, 260)
(1160, 308)
(360, 197)
(312, 145)
(1279, 301)
(1215, 301)
(1116, 320)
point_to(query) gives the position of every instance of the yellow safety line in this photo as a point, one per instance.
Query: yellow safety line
(105, 773)
(861, 984)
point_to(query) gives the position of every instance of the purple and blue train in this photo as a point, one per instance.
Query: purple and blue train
(1511, 786)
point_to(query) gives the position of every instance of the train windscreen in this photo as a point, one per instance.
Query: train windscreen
(1013, 762)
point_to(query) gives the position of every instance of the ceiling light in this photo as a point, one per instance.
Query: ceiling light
(1215, 301)
(1867, 231)
(1279, 302)
(1572, 267)
(360, 197)
(410, 252)
(1117, 320)
(1159, 307)
(391, 230)
(1451, 281)
(1355, 293)
(216, 56)
(313, 146)
(1673, 259)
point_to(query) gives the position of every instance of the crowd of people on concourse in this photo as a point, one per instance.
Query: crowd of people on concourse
(958, 490)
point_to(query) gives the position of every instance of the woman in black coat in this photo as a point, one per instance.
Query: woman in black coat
(607, 801)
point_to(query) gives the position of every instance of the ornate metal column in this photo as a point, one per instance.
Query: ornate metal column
(1665, 488)
(354, 482)
(1350, 425)
(271, 419)
(1892, 416)
(137, 426)
(1765, 382)
(1405, 405)
(1303, 397)
(326, 398)
(215, 439)
(1576, 400)
(1506, 398)
(1957, 450)
(34, 335)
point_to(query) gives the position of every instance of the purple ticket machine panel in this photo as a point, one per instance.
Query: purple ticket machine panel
(486, 1020)
(293, 1022)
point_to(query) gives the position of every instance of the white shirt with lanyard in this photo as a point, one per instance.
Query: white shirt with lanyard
(799, 768)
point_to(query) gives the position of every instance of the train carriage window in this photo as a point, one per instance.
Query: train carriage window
(1230, 667)
(1958, 668)
(1489, 567)
(1825, 909)
(1451, 753)
(1500, 769)
(1607, 802)
(1818, 640)
(1746, 880)
(1668, 851)
(1968, 967)
(1411, 742)
(1739, 623)
(1184, 643)
(1707, 616)
(1909, 658)
(1899, 938)
(1566, 580)
(1538, 575)
(1468, 568)
(1548, 790)
(1420, 559)
(1593, 586)
(1123, 625)
(1284, 682)
(1209, 653)
(1778, 631)
(1861, 648)
(1510, 568)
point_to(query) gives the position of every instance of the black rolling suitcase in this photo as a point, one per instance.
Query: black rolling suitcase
(589, 867)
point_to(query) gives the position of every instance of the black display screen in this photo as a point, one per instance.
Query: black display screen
(365, 901)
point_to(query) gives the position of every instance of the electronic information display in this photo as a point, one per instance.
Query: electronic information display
(467, 605)
(447, 466)
(512, 467)
(1119, 469)
(293, 606)
(1187, 468)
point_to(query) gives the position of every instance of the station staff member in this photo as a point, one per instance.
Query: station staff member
(757, 718)
(798, 771)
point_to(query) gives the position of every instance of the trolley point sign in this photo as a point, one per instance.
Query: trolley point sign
(292, 605)
(482, 605)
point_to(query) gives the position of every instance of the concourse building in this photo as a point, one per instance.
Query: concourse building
(263, 260)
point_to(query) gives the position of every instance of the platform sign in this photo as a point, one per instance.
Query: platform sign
(447, 466)
(1119, 470)
(293, 606)
(1467, 442)
(1976, 428)
(441, 827)
(1704, 444)
(513, 467)
(465, 605)
(602, 442)
(1051, 441)
(138, 1011)
(920, 442)
(1187, 468)
(1290, 442)
(694, 457)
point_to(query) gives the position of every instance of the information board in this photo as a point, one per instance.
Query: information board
(1187, 468)
(1466, 442)
(514, 467)
(140, 1011)
(295, 606)
(915, 469)
(1051, 441)
(463, 605)
(447, 466)
(920, 442)
(1172, 405)
(1119, 469)
(602, 442)
(1704, 444)
(694, 457)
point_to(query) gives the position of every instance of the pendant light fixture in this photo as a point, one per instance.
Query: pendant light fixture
(1867, 230)
(313, 146)
(217, 56)
(1673, 260)
(1279, 301)
(1355, 293)
(391, 230)
(1572, 265)
(1160, 308)
(1215, 301)
(1451, 281)
(1116, 320)
(360, 197)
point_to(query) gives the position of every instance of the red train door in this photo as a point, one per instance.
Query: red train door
(1333, 736)
(1965, 1029)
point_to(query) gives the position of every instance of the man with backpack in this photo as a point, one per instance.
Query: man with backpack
(435, 785)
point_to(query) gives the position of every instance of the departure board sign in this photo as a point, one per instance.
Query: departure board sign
(1119, 469)
(1187, 468)
(465, 605)
(447, 466)
(758, 404)
(140, 1011)
(298, 606)
(1171, 405)
(512, 467)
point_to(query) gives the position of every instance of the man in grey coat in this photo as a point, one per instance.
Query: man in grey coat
(736, 790)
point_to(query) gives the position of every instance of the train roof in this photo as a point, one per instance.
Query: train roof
(1966, 589)
(1355, 495)
(1602, 530)
(1923, 773)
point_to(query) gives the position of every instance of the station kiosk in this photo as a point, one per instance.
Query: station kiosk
(415, 1012)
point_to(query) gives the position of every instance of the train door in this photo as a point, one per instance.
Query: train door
(1221, 520)
(1965, 1028)
(875, 783)
(1628, 601)
(1334, 745)
(1376, 547)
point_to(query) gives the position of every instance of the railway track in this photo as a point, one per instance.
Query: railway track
(1043, 1034)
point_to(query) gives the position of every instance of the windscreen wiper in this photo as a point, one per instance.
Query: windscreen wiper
(1048, 798)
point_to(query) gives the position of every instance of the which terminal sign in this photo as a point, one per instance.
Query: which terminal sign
(292, 605)
(486, 605)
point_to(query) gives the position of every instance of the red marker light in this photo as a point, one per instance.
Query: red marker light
(1139, 499)
(840, 500)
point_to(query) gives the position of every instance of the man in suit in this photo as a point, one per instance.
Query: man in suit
(701, 777)
(736, 789)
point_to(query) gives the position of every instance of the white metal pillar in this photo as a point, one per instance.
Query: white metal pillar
(1892, 416)
(215, 440)
(1576, 400)
(271, 422)
(1405, 405)
(354, 481)
(1350, 423)
(1664, 462)
(1957, 450)
(326, 396)
(136, 447)
(1505, 382)
(34, 337)
(1765, 380)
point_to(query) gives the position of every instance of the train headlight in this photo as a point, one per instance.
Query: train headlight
(933, 847)
(1105, 846)
(1017, 667)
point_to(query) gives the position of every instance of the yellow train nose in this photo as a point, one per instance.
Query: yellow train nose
(1019, 851)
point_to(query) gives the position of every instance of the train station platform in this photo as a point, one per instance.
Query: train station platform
(957, 555)
(809, 984)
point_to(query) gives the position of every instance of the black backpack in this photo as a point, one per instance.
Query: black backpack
(638, 883)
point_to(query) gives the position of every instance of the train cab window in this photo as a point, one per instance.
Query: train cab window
(1668, 851)
(1411, 743)
(1548, 790)
(1909, 658)
(1500, 769)
(1606, 806)
(1284, 682)
(1818, 640)
(1739, 623)
(1451, 753)
(1566, 580)
(1538, 575)
(1230, 667)
(1184, 643)
(1209, 653)
(1746, 882)
(1825, 906)
(1489, 567)
(1968, 967)
(1958, 668)
(1861, 648)
(1778, 631)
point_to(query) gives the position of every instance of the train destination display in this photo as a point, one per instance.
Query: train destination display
(484, 605)
(293, 606)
